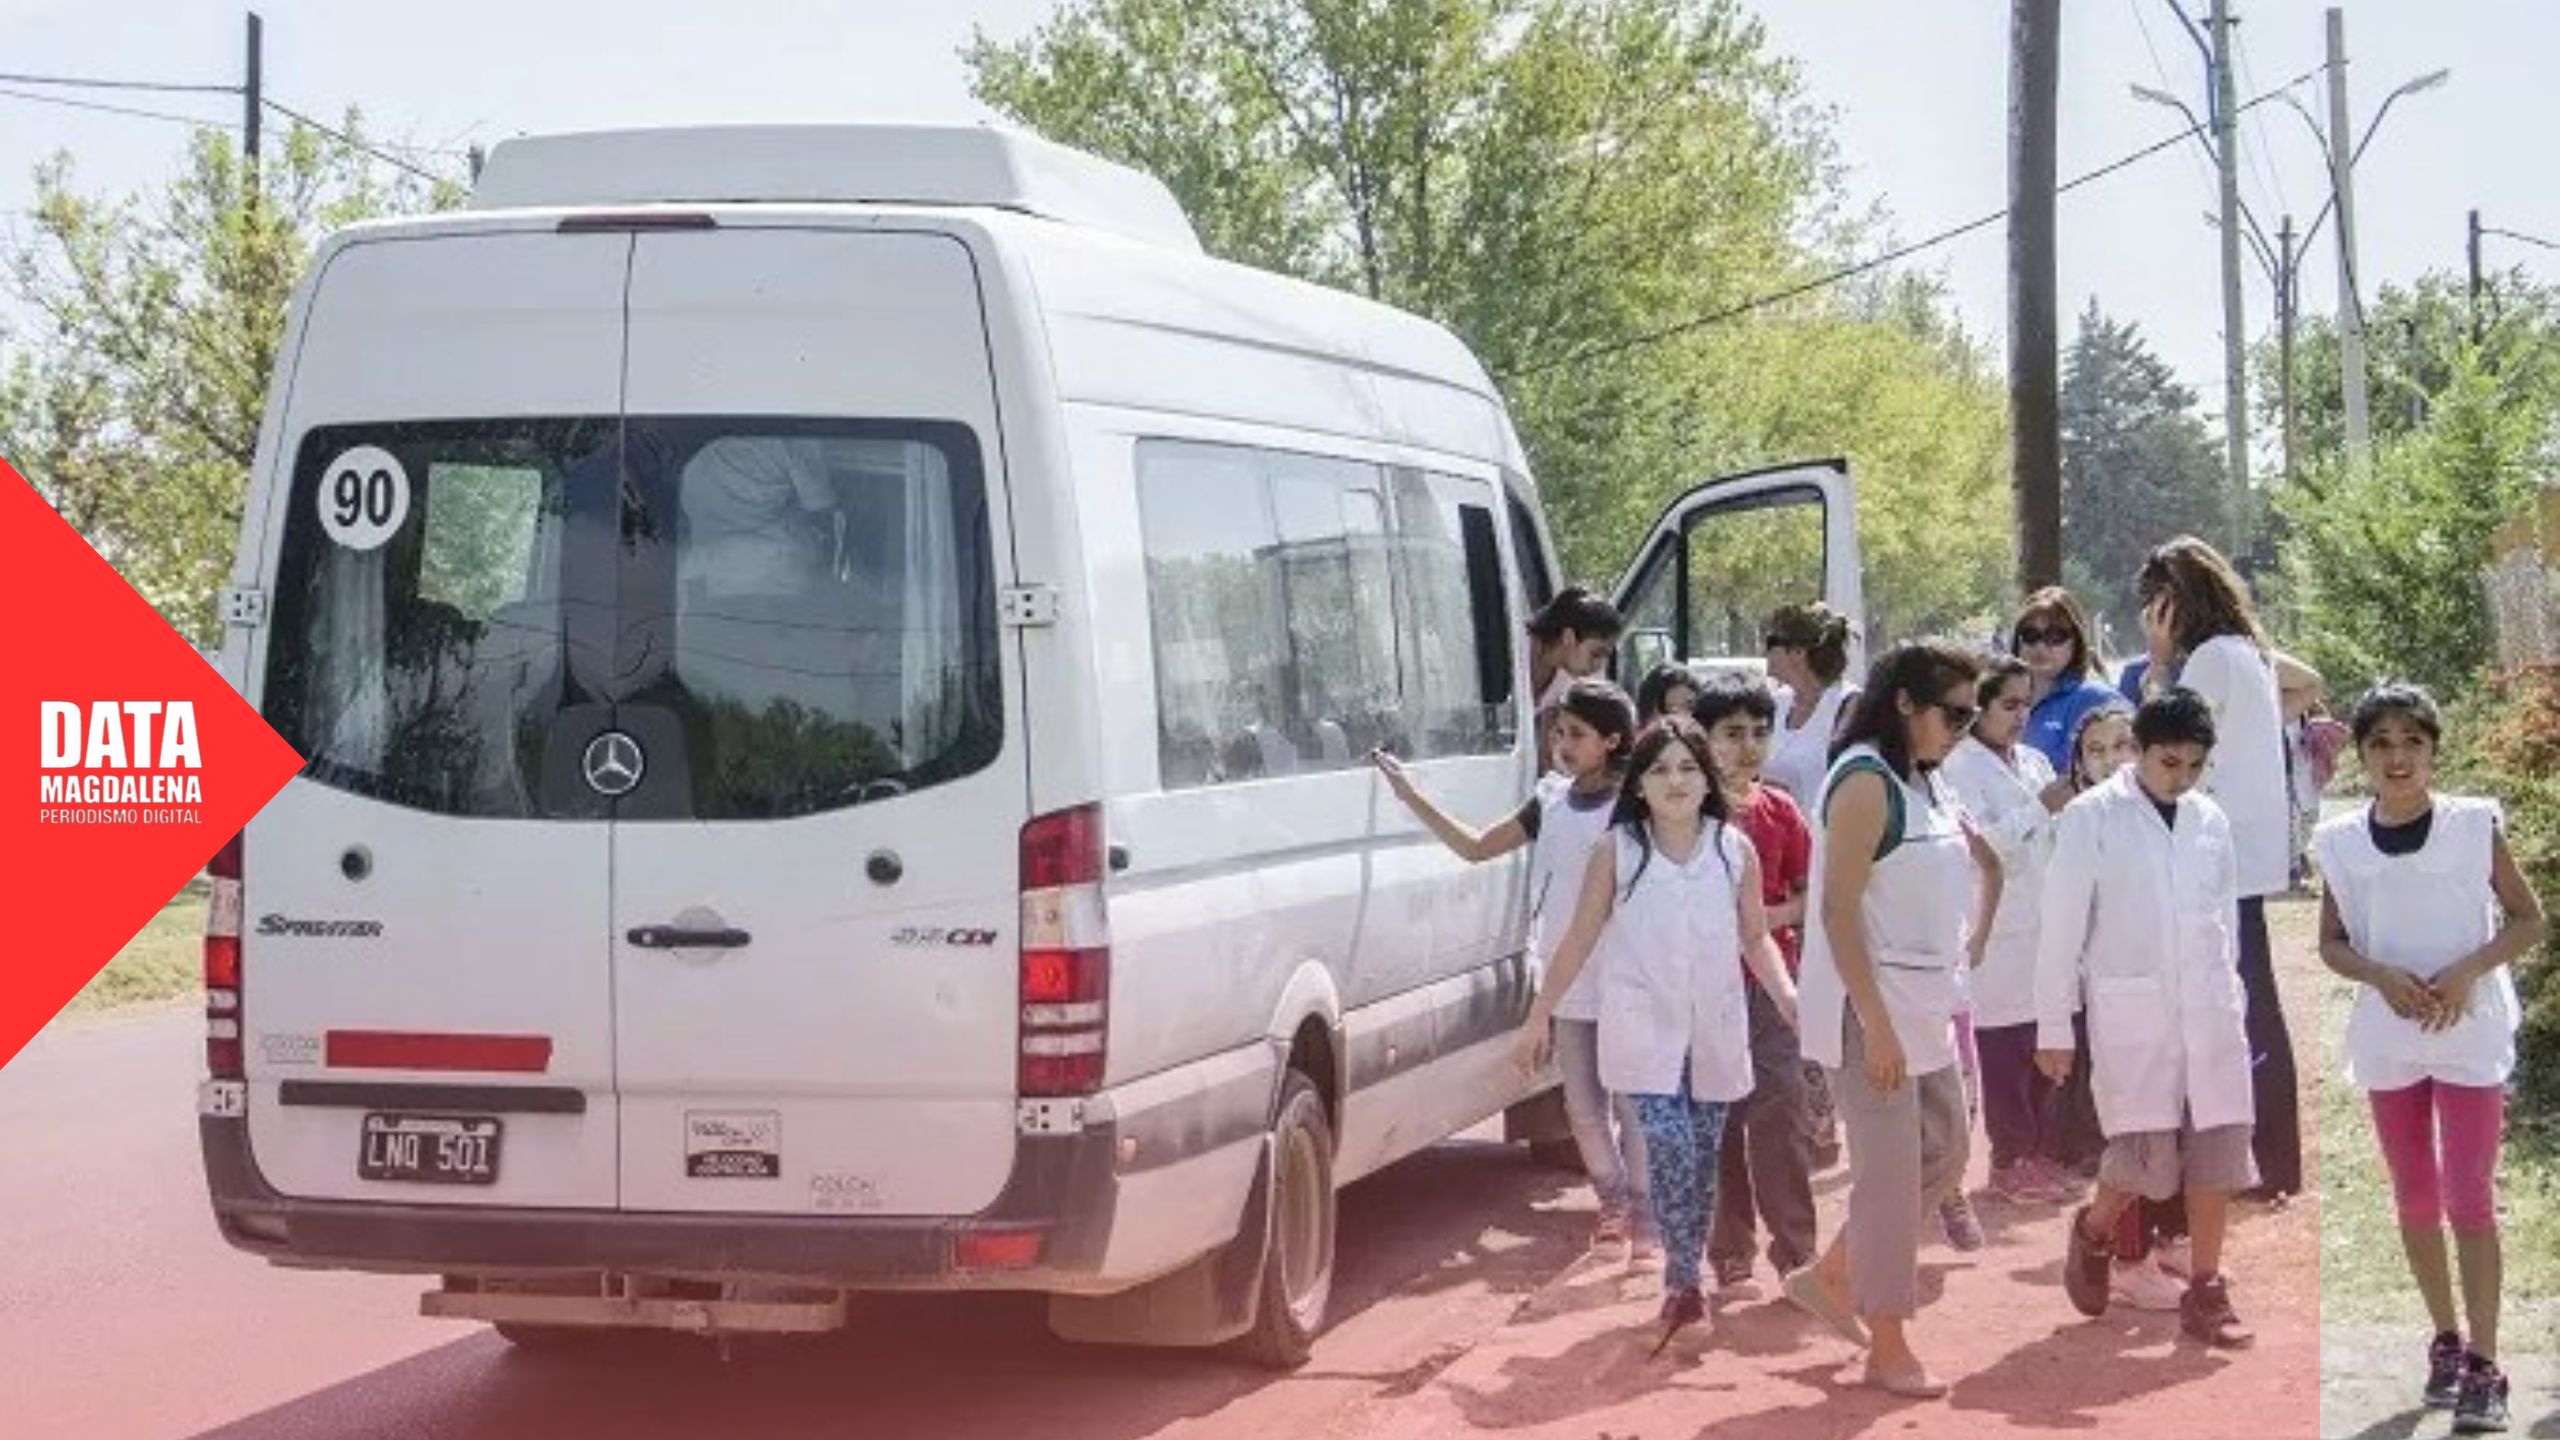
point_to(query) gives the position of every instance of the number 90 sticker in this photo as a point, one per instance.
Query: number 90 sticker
(364, 497)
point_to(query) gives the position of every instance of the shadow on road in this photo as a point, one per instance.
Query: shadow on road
(1462, 1214)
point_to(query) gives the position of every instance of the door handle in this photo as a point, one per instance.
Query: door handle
(678, 937)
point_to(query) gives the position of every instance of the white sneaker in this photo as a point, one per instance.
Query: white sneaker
(2177, 1256)
(2143, 1285)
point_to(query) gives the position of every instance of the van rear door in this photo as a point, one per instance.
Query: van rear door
(426, 1001)
(1727, 553)
(815, 891)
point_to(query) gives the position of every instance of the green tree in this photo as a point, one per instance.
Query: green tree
(2388, 563)
(1557, 181)
(2415, 337)
(2138, 464)
(132, 396)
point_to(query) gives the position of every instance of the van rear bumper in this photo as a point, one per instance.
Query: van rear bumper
(1066, 1187)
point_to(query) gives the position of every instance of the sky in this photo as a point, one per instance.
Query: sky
(1916, 91)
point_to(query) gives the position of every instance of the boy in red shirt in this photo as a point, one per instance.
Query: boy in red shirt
(1765, 1163)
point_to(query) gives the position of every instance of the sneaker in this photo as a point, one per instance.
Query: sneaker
(1644, 1248)
(2175, 1254)
(2143, 1285)
(2481, 1408)
(1733, 1278)
(2065, 1184)
(2444, 1370)
(2028, 1183)
(1963, 1227)
(2085, 1266)
(2205, 1313)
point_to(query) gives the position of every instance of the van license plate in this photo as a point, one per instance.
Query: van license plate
(430, 1149)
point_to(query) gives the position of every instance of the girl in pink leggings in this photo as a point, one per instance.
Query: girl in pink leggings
(2426, 910)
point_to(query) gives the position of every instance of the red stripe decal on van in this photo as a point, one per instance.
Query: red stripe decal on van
(411, 1050)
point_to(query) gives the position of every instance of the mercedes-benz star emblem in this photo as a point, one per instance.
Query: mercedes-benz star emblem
(613, 763)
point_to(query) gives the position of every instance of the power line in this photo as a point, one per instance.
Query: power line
(2167, 86)
(84, 82)
(352, 142)
(69, 103)
(1900, 252)
(2261, 155)
(2527, 239)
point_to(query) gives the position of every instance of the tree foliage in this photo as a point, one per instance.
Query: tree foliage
(1556, 181)
(2138, 464)
(131, 396)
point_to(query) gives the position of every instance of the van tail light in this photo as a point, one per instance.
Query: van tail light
(222, 1054)
(1066, 955)
(998, 1247)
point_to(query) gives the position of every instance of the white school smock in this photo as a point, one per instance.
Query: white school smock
(2139, 916)
(1557, 861)
(2002, 797)
(2422, 912)
(1799, 759)
(1669, 990)
(2246, 773)
(1914, 915)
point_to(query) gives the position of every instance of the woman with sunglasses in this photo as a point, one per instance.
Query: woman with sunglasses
(2053, 637)
(1894, 874)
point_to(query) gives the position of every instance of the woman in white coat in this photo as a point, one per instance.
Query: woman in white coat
(1894, 874)
(2204, 636)
(2137, 920)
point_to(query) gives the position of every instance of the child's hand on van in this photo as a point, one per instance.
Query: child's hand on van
(1393, 769)
(1535, 1044)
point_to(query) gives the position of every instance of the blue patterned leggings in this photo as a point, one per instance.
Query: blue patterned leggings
(1680, 1138)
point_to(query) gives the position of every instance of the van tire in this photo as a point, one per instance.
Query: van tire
(1297, 1262)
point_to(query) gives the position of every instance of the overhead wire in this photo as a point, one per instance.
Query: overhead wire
(1897, 253)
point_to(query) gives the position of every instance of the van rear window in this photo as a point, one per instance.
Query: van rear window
(787, 615)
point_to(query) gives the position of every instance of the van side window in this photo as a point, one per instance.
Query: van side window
(1214, 593)
(1537, 583)
(1457, 676)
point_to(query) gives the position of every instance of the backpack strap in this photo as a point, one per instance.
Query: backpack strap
(1894, 819)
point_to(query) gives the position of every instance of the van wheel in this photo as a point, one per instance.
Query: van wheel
(1297, 1267)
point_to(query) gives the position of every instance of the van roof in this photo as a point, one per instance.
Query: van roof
(978, 165)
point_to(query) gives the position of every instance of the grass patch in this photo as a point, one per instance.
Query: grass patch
(163, 961)
(2364, 1279)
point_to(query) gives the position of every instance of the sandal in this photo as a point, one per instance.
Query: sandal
(1905, 1384)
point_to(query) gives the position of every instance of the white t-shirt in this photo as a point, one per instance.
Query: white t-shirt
(2246, 775)
(1799, 759)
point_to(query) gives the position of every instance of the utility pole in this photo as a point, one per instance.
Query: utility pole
(2235, 327)
(2035, 330)
(2473, 250)
(253, 101)
(2284, 342)
(2342, 182)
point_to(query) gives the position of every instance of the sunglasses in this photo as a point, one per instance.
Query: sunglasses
(2045, 635)
(1960, 718)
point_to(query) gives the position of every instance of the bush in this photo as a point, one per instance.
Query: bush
(2507, 744)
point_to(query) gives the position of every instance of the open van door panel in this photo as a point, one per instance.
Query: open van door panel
(814, 941)
(425, 907)
(1727, 553)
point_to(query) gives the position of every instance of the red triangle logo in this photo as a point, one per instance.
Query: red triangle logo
(125, 762)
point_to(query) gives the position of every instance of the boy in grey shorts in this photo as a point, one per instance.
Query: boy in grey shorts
(2139, 912)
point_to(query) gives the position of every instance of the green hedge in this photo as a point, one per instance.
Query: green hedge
(2506, 743)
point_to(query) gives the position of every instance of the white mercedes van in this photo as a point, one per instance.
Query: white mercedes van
(835, 665)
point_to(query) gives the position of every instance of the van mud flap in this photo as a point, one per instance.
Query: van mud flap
(1207, 1302)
